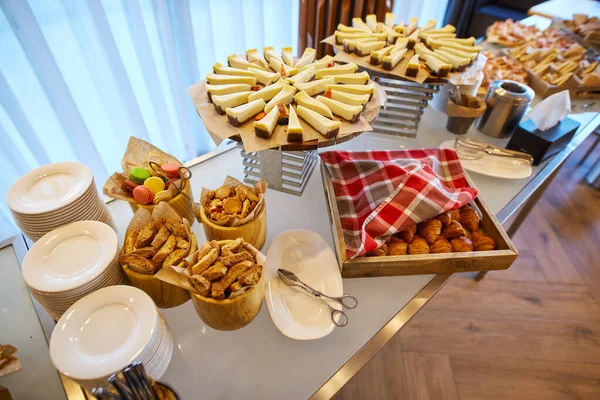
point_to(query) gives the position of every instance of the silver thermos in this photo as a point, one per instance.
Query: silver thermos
(506, 103)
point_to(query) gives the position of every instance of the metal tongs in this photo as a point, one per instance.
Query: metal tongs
(338, 317)
(471, 149)
(184, 172)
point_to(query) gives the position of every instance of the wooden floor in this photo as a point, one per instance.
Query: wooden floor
(531, 332)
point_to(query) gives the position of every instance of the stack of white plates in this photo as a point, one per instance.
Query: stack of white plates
(70, 262)
(106, 331)
(54, 195)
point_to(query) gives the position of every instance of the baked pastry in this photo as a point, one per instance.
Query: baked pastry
(256, 58)
(430, 229)
(216, 79)
(455, 214)
(308, 57)
(294, 129)
(238, 116)
(418, 246)
(445, 217)
(350, 44)
(304, 100)
(347, 112)
(285, 97)
(304, 76)
(378, 252)
(461, 245)
(458, 63)
(265, 77)
(288, 57)
(400, 45)
(269, 53)
(277, 64)
(225, 101)
(412, 39)
(349, 68)
(354, 89)
(371, 21)
(320, 64)
(390, 61)
(358, 23)
(459, 53)
(218, 90)
(454, 230)
(482, 242)
(397, 247)
(377, 56)
(440, 245)
(343, 28)
(469, 218)
(264, 127)
(236, 61)
(408, 234)
(412, 69)
(389, 19)
(349, 98)
(365, 48)
(326, 127)
(268, 92)
(218, 68)
(341, 36)
(439, 68)
(352, 79)
(392, 35)
(315, 87)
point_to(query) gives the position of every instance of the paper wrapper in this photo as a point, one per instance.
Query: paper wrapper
(260, 188)
(8, 362)
(159, 214)
(219, 129)
(399, 71)
(139, 153)
(178, 276)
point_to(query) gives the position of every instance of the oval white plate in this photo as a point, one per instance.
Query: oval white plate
(70, 256)
(49, 187)
(299, 315)
(498, 167)
(103, 332)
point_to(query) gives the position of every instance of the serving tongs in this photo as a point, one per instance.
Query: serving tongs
(338, 317)
(470, 149)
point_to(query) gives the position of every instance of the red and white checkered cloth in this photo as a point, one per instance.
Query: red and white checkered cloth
(379, 193)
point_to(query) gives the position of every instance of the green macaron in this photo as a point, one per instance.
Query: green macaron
(139, 175)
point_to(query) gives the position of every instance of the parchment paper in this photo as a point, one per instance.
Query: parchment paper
(178, 276)
(219, 129)
(399, 71)
(260, 188)
(139, 153)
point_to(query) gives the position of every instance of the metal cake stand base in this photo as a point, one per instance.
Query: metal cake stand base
(284, 171)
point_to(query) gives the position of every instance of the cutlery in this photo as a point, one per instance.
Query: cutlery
(338, 317)
(471, 149)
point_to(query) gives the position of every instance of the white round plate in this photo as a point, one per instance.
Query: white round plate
(92, 214)
(70, 256)
(297, 314)
(103, 332)
(88, 197)
(498, 167)
(49, 187)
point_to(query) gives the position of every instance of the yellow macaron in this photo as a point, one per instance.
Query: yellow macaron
(155, 184)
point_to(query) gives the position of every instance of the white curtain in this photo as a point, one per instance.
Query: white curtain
(422, 9)
(78, 77)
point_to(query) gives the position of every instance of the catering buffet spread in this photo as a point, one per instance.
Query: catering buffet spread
(429, 218)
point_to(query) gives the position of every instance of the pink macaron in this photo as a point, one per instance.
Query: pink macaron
(143, 195)
(171, 170)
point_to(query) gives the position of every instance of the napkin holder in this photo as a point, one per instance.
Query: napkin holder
(542, 144)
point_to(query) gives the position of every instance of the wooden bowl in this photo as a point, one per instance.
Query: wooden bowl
(254, 232)
(181, 204)
(230, 314)
(164, 294)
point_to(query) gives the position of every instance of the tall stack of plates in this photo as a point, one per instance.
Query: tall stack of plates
(70, 262)
(54, 195)
(107, 330)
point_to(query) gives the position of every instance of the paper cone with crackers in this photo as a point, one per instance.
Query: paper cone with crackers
(225, 281)
(235, 210)
(154, 241)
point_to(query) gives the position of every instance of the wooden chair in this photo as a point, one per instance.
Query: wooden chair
(319, 19)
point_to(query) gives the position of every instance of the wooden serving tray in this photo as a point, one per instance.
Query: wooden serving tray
(445, 263)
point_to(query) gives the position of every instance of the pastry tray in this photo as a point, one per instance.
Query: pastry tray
(445, 263)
